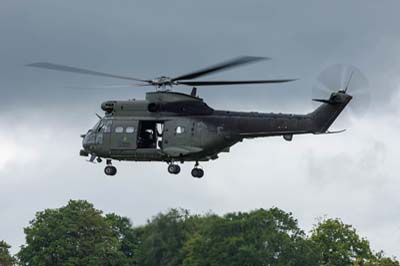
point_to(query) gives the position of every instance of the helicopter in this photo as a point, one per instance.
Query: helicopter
(175, 127)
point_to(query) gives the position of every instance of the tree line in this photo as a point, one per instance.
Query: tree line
(79, 234)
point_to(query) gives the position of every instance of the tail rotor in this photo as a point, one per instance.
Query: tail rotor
(347, 79)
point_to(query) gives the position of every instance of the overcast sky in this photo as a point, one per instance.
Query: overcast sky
(354, 175)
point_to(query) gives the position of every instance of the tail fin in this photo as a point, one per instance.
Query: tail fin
(328, 111)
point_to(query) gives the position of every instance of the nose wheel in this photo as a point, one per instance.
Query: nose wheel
(197, 172)
(174, 169)
(110, 170)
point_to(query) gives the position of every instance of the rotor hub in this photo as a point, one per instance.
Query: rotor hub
(163, 81)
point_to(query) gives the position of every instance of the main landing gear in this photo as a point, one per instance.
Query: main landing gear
(197, 172)
(174, 169)
(110, 169)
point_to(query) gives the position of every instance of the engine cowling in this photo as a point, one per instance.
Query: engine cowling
(182, 107)
(108, 106)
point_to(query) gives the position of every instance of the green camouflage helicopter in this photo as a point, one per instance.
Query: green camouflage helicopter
(175, 127)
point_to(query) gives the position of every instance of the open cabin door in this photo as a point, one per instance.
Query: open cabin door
(149, 135)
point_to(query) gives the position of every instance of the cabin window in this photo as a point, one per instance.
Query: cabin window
(119, 129)
(179, 130)
(130, 130)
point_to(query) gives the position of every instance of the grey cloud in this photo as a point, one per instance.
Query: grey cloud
(352, 175)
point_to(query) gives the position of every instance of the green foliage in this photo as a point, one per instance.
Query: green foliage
(5, 258)
(128, 237)
(340, 244)
(262, 237)
(379, 259)
(76, 234)
(163, 238)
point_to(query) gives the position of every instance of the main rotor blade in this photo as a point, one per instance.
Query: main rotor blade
(57, 67)
(221, 66)
(107, 87)
(233, 82)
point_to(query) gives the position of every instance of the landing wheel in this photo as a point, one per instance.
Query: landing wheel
(197, 172)
(110, 170)
(174, 169)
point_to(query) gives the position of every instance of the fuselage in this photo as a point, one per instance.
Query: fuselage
(170, 126)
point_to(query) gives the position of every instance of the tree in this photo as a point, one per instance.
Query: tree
(379, 259)
(5, 258)
(129, 238)
(79, 234)
(340, 244)
(262, 237)
(76, 234)
(163, 237)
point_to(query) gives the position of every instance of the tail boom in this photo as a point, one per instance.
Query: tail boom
(324, 116)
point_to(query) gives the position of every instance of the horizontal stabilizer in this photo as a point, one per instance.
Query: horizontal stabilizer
(323, 101)
(332, 132)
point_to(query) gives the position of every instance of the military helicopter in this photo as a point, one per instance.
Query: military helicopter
(176, 127)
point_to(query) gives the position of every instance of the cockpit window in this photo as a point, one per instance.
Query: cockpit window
(96, 126)
(101, 126)
(107, 126)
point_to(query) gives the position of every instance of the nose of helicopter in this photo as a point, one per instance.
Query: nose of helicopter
(86, 142)
(86, 139)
